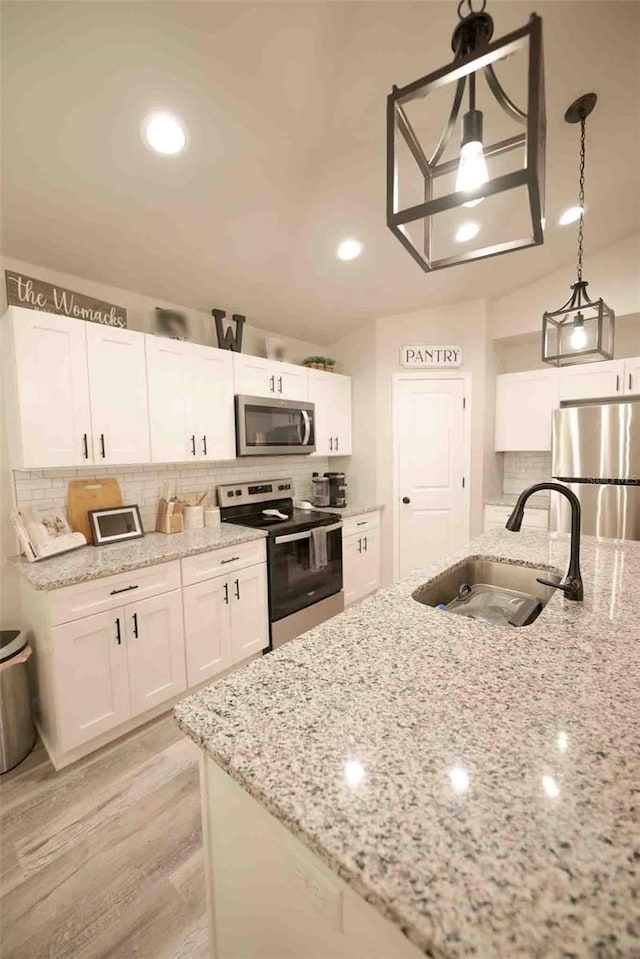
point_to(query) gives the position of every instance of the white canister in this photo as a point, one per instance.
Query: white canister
(212, 516)
(193, 517)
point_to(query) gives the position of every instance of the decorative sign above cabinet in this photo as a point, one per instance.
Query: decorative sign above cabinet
(38, 295)
(431, 356)
(228, 339)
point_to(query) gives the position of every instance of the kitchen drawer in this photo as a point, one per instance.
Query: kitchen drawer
(86, 599)
(196, 569)
(533, 518)
(360, 524)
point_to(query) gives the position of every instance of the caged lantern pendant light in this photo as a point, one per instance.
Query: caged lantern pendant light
(582, 330)
(480, 159)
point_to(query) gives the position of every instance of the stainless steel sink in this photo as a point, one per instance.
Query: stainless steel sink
(485, 576)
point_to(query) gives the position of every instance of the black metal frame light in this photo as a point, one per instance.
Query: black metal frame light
(474, 56)
(581, 331)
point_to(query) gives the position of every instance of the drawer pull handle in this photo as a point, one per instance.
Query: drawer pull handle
(363, 523)
(118, 636)
(232, 560)
(125, 589)
(135, 625)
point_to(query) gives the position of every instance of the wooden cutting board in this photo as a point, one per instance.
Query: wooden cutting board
(84, 495)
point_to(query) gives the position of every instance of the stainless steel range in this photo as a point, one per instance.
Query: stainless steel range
(304, 554)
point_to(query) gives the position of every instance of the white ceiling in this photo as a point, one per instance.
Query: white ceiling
(285, 106)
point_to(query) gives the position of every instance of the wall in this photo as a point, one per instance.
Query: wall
(139, 483)
(378, 345)
(613, 274)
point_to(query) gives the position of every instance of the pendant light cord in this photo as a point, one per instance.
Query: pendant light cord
(581, 198)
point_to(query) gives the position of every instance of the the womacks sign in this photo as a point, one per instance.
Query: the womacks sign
(431, 356)
(37, 295)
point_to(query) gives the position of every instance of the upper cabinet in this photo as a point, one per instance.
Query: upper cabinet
(48, 413)
(524, 404)
(593, 380)
(331, 394)
(118, 391)
(632, 375)
(255, 376)
(190, 401)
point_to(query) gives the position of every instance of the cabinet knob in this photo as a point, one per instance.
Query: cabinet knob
(405, 499)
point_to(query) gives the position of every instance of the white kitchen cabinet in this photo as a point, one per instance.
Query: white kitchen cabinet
(256, 376)
(190, 401)
(632, 375)
(331, 393)
(495, 517)
(361, 557)
(155, 650)
(524, 406)
(212, 403)
(226, 621)
(48, 413)
(592, 380)
(118, 392)
(90, 677)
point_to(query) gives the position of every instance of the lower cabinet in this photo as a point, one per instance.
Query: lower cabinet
(495, 517)
(360, 559)
(116, 665)
(226, 620)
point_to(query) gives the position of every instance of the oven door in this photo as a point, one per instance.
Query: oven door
(267, 426)
(293, 583)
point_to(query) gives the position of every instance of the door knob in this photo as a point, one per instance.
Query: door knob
(405, 499)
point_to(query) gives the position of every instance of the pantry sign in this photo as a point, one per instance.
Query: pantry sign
(431, 357)
(38, 295)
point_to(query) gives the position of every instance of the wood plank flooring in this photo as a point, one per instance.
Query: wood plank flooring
(104, 859)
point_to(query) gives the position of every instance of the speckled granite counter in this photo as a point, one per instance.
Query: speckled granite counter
(539, 501)
(350, 510)
(495, 808)
(93, 562)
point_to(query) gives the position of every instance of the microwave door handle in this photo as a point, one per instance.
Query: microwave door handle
(307, 427)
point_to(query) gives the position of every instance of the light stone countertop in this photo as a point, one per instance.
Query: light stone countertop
(497, 813)
(539, 501)
(350, 510)
(94, 562)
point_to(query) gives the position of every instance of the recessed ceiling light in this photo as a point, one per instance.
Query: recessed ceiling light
(570, 215)
(164, 133)
(467, 232)
(349, 249)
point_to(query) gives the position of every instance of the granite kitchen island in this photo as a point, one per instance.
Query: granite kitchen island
(442, 786)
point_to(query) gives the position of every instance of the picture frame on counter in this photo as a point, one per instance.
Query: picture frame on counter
(118, 524)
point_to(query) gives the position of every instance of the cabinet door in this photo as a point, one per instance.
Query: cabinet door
(207, 628)
(632, 375)
(212, 403)
(370, 562)
(592, 380)
(352, 568)
(169, 380)
(524, 407)
(118, 391)
(249, 612)
(51, 422)
(331, 394)
(251, 375)
(90, 676)
(155, 650)
(289, 382)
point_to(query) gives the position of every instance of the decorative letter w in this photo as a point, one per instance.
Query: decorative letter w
(227, 339)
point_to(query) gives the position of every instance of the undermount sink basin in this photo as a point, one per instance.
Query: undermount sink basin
(492, 591)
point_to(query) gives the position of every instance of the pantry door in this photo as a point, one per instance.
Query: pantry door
(432, 457)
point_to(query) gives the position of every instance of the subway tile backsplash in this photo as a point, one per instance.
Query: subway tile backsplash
(522, 469)
(144, 485)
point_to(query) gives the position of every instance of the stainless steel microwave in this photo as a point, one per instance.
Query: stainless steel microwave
(268, 427)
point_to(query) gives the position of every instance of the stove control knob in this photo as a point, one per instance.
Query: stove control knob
(230, 493)
(238, 492)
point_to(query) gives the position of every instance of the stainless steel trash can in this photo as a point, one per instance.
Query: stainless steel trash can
(17, 732)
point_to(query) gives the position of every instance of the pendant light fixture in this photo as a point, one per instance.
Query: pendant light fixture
(582, 330)
(480, 159)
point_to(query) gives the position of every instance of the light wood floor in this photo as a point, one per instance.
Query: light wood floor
(104, 859)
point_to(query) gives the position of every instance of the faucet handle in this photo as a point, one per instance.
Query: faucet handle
(548, 582)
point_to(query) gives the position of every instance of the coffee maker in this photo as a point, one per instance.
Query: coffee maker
(337, 489)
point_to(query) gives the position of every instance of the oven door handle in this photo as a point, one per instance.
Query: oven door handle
(292, 537)
(307, 427)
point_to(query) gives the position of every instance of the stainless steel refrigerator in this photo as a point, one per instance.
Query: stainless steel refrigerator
(596, 453)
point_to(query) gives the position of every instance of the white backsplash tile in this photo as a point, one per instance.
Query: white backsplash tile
(523, 469)
(144, 484)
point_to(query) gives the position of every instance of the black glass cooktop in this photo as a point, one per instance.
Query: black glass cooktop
(297, 520)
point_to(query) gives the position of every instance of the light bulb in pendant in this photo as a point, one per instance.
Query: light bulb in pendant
(472, 169)
(579, 335)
